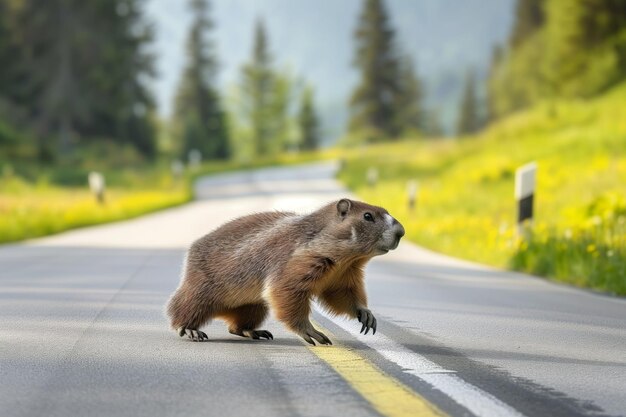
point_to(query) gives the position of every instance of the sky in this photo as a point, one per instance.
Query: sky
(313, 40)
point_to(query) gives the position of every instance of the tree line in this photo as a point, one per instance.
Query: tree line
(387, 102)
(558, 49)
(273, 111)
(270, 111)
(75, 72)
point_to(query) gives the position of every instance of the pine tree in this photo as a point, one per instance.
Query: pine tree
(432, 124)
(409, 110)
(559, 49)
(257, 91)
(84, 76)
(373, 102)
(529, 16)
(53, 91)
(198, 105)
(586, 41)
(8, 54)
(601, 20)
(468, 121)
(278, 112)
(496, 60)
(122, 85)
(308, 122)
(605, 24)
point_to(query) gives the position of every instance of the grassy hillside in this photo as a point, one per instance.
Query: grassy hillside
(466, 206)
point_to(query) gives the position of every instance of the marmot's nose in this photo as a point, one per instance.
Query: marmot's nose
(399, 228)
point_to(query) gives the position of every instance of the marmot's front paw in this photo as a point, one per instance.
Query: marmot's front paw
(193, 334)
(368, 320)
(310, 334)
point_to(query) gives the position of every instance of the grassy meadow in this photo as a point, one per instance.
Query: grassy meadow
(37, 208)
(465, 202)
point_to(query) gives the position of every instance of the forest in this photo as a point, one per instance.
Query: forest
(76, 80)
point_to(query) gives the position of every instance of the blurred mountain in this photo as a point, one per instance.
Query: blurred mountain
(314, 40)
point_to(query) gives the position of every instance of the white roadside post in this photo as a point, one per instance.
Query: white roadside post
(372, 176)
(177, 168)
(525, 179)
(194, 158)
(97, 186)
(411, 190)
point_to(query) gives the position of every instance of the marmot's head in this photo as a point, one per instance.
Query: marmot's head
(371, 229)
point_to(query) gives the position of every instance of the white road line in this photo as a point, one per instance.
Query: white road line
(477, 401)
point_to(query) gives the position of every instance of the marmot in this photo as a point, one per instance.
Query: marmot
(282, 260)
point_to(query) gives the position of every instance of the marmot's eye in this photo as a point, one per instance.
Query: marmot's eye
(368, 217)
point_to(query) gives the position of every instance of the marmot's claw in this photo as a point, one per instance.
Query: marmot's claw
(265, 334)
(326, 339)
(258, 334)
(193, 334)
(367, 319)
(318, 336)
(308, 339)
(310, 335)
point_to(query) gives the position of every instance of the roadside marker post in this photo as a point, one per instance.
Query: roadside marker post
(97, 185)
(411, 190)
(372, 176)
(194, 158)
(525, 180)
(177, 168)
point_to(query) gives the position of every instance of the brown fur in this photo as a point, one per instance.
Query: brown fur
(282, 260)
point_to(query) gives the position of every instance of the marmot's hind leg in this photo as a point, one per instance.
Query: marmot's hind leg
(188, 314)
(244, 320)
(189, 320)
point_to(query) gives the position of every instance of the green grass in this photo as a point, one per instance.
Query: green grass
(466, 206)
(34, 204)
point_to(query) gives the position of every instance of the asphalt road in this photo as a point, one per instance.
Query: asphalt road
(82, 329)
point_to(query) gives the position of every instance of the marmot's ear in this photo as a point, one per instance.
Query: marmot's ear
(343, 206)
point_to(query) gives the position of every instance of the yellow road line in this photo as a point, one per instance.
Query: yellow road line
(386, 394)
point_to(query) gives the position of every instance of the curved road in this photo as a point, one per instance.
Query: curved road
(82, 330)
